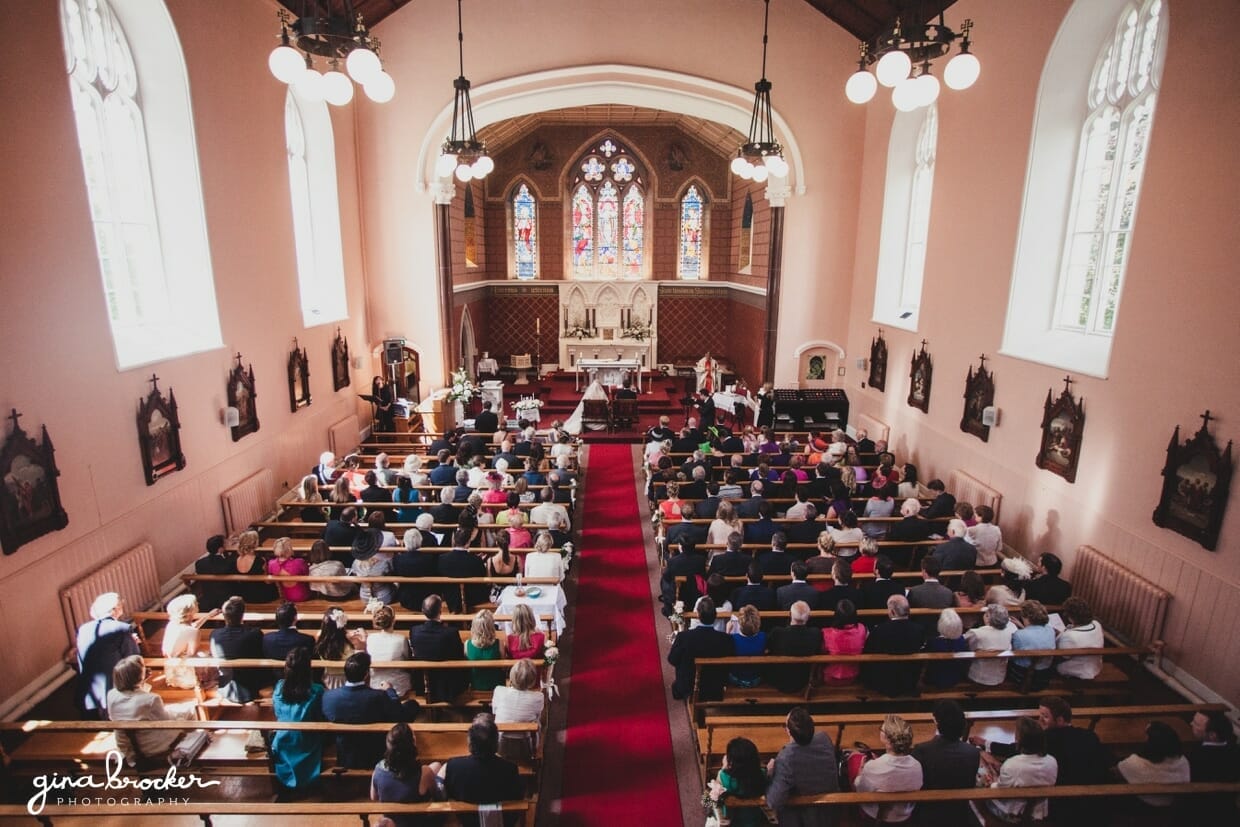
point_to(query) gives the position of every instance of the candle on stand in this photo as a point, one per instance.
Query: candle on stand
(538, 325)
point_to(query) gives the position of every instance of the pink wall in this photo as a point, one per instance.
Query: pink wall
(58, 366)
(1174, 351)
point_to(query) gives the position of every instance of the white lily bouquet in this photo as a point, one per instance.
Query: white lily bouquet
(526, 404)
(636, 330)
(461, 388)
(550, 656)
(579, 332)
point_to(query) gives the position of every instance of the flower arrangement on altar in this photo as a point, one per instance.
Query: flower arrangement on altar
(461, 387)
(578, 332)
(636, 330)
(526, 404)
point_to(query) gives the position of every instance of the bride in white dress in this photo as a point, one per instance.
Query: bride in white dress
(573, 423)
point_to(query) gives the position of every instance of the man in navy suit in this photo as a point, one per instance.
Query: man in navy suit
(486, 422)
(874, 593)
(703, 641)
(459, 563)
(433, 640)
(682, 561)
(749, 508)
(754, 593)
(733, 562)
(775, 560)
(957, 554)
(686, 530)
(798, 589)
(277, 644)
(357, 703)
(763, 529)
(898, 636)
(481, 777)
(444, 472)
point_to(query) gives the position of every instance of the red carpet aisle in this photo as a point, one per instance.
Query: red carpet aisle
(618, 754)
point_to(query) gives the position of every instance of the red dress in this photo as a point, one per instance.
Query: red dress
(863, 564)
(537, 639)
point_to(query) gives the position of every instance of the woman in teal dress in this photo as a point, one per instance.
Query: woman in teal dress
(484, 645)
(296, 755)
(742, 776)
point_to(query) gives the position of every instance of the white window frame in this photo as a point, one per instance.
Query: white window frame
(907, 198)
(171, 310)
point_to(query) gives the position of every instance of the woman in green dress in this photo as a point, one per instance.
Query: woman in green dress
(742, 776)
(484, 645)
(297, 755)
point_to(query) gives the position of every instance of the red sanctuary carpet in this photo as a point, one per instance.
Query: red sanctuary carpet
(618, 765)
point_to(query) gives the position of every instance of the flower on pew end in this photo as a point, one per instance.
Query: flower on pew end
(374, 605)
(551, 655)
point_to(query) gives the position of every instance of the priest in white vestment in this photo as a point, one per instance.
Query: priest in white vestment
(709, 375)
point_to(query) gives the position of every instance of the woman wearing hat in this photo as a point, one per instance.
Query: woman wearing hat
(368, 562)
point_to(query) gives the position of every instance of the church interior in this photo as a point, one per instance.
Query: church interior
(901, 253)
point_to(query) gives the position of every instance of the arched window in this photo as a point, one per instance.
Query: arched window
(316, 211)
(689, 263)
(906, 217)
(1100, 83)
(145, 195)
(744, 259)
(524, 234)
(607, 232)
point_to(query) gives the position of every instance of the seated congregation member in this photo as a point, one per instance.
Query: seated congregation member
(930, 593)
(368, 561)
(355, 702)
(249, 561)
(685, 528)
(520, 702)
(745, 627)
(234, 642)
(211, 595)
(326, 472)
(1011, 592)
(843, 588)
(763, 529)
(483, 644)
(322, 564)
(882, 504)
(296, 756)
(682, 562)
(425, 523)
(797, 639)
(460, 563)
(283, 562)
(525, 640)
(748, 508)
(130, 699)
(942, 674)
(341, 495)
(807, 529)
(993, 635)
(957, 554)
(503, 563)
(1031, 766)
(806, 765)
(286, 638)
(824, 561)
(1035, 634)
(518, 535)
(971, 591)
(734, 562)
(742, 775)
(798, 589)
(558, 529)
(413, 562)
(943, 506)
(1216, 758)
(405, 494)
(874, 593)
(1048, 587)
(482, 777)
(986, 536)
(377, 521)
(400, 778)
(947, 763)
(754, 593)
(863, 556)
(776, 559)
(341, 531)
(374, 492)
(385, 644)
(895, 771)
(444, 470)
(897, 636)
(724, 525)
(1083, 632)
(1160, 760)
(181, 639)
(436, 641)
(849, 532)
(709, 505)
(337, 642)
(703, 641)
(446, 513)
(543, 561)
(844, 635)
(912, 527)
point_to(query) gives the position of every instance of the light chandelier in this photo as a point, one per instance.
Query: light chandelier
(318, 34)
(761, 156)
(462, 151)
(902, 59)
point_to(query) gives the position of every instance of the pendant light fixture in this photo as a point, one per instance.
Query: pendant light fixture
(761, 156)
(462, 154)
(318, 34)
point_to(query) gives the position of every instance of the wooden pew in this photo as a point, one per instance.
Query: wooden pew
(158, 813)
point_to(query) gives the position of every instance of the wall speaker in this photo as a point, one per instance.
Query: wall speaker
(990, 416)
(861, 362)
(393, 351)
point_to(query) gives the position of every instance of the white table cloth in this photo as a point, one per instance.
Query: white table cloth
(550, 602)
(725, 401)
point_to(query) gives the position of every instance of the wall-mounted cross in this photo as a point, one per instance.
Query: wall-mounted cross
(1067, 384)
(1205, 420)
(15, 416)
(238, 358)
(154, 380)
(982, 359)
(923, 345)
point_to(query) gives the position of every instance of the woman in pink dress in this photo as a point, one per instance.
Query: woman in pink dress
(845, 636)
(285, 563)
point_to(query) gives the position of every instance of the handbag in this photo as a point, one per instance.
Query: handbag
(189, 748)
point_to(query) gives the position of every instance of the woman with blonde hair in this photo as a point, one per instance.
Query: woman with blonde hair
(518, 534)
(521, 701)
(542, 561)
(895, 771)
(670, 506)
(385, 644)
(525, 641)
(181, 639)
(308, 492)
(249, 561)
(824, 561)
(725, 523)
(284, 563)
(745, 627)
(484, 644)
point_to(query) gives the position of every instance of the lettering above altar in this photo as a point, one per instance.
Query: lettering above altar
(608, 320)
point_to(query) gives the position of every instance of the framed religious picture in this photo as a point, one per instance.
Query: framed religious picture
(1063, 421)
(1196, 483)
(878, 362)
(29, 494)
(298, 378)
(159, 434)
(340, 361)
(241, 396)
(920, 373)
(979, 394)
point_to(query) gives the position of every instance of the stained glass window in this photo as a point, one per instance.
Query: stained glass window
(471, 220)
(525, 233)
(1113, 145)
(607, 230)
(745, 258)
(634, 229)
(691, 222)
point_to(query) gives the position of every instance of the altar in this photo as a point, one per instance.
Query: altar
(609, 372)
(608, 320)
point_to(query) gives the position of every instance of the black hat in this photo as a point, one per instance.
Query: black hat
(366, 544)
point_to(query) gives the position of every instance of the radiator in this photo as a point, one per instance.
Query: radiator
(345, 436)
(132, 575)
(973, 491)
(876, 429)
(248, 501)
(1131, 607)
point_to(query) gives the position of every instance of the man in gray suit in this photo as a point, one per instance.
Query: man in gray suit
(930, 593)
(805, 766)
